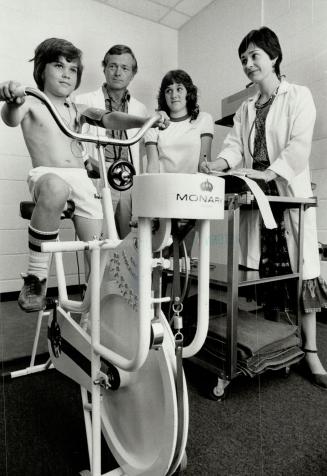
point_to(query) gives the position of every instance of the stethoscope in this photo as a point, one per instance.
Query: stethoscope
(249, 139)
(271, 99)
(123, 134)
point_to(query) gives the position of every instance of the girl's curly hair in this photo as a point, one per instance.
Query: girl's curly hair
(180, 77)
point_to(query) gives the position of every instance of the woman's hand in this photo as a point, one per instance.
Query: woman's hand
(218, 165)
(265, 175)
(206, 167)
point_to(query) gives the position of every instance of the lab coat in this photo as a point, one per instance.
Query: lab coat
(289, 129)
(135, 107)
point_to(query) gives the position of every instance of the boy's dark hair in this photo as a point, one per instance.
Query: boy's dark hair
(120, 50)
(49, 51)
(268, 41)
(181, 77)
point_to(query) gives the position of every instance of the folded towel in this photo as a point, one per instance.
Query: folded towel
(254, 333)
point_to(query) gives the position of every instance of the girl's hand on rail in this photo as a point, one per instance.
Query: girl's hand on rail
(163, 120)
(12, 93)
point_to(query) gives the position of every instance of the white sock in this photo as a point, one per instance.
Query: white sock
(38, 263)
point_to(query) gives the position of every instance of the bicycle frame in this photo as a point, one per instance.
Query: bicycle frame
(99, 252)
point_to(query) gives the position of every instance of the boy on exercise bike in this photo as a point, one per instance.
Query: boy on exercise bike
(58, 172)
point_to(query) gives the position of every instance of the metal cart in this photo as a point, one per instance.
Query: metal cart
(232, 279)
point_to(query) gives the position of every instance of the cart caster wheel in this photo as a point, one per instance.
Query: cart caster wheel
(286, 372)
(218, 392)
(216, 395)
(85, 472)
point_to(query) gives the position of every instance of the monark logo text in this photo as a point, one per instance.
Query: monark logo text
(193, 197)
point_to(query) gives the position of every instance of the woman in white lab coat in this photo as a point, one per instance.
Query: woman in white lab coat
(271, 143)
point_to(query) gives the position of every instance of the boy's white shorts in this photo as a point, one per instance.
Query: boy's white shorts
(81, 188)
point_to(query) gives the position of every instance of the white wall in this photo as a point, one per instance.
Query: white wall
(208, 50)
(206, 47)
(93, 27)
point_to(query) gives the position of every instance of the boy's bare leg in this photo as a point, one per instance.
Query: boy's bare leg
(87, 230)
(51, 194)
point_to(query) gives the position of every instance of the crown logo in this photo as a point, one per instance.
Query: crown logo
(206, 186)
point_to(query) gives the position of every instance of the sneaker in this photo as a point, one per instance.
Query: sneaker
(32, 296)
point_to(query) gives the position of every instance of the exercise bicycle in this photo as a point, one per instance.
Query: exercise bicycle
(122, 350)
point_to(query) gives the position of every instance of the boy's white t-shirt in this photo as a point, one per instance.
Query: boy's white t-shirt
(179, 145)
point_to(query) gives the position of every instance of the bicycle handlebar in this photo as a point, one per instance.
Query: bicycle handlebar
(101, 140)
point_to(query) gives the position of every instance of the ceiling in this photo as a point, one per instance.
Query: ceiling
(172, 13)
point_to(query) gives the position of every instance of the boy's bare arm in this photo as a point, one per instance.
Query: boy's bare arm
(13, 112)
(119, 120)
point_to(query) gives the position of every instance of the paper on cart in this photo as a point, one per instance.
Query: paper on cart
(262, 201)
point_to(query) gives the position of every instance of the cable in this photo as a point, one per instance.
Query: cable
(81, 288)
(187, 273)
(249, 139)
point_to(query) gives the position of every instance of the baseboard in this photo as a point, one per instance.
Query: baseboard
(51, 292)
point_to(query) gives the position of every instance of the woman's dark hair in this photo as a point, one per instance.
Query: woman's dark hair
(267, 40)
(49, 51)
(180, 77)
(119, 50)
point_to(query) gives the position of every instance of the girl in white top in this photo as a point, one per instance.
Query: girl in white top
(187, 141)
(271, 143)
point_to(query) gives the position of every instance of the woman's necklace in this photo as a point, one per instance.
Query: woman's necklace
(259, 105)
